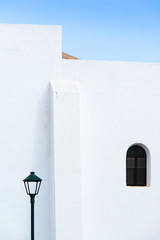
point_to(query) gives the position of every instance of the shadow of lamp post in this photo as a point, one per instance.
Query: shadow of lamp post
(32, 185)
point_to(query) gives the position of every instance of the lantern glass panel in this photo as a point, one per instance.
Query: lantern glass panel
(38, 187)
(32, 187)
(26, 187)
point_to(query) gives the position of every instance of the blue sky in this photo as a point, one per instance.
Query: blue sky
(118, 30)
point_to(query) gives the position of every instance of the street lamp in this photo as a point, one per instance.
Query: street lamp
(32, 185)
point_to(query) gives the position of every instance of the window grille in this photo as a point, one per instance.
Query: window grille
(136, 166)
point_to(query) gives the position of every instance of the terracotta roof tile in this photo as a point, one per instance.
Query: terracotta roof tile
(67, 56)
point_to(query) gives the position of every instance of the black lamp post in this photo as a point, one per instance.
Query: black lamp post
(32, 185)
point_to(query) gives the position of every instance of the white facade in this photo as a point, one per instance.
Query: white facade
(72, 122)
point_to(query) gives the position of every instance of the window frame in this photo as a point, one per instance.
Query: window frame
(136, 166)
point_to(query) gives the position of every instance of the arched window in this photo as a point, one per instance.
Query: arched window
(136, 166)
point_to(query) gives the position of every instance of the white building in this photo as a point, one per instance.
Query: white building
(72, 122)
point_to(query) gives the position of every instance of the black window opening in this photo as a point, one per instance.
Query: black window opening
(136, 166)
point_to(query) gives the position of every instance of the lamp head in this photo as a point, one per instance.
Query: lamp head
(32, 184)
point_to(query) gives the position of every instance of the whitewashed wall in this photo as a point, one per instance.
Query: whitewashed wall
(30, 56)
(119, 106)
(67, 164)
(79, 153)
